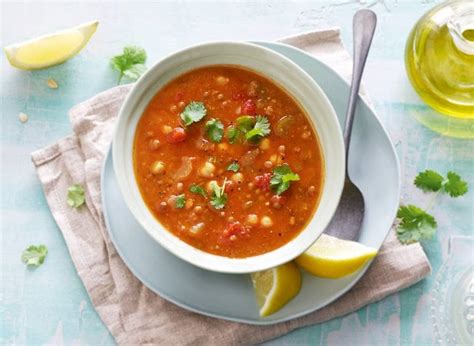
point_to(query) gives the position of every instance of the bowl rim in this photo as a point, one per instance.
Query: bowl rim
(195, 255)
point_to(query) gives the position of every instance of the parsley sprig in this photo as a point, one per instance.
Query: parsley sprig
(251, 128)
(218, 196)
(281, 178)
(131, 63)
(417, 224)
(34, 255)
(214, 130)
(430, 180)
(198, 190)
(193, 113)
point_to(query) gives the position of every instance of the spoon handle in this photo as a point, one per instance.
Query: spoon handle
(363, 27)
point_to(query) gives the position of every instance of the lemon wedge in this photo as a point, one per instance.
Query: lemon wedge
(330, 257)
(275, 287)
(52, 49)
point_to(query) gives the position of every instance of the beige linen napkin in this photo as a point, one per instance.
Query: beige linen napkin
(132, 312)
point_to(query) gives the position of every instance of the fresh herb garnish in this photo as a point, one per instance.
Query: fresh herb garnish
(415, 224)
(193, 112)
(245, 123)
(281, 178)
(198, 190)
(214, 130)
(130, 63)
(34, 255)
(260, 129)
(218, 196)
(430, 180)
(75, 196)
(455, 186)
(180, 201)
(234, 167)
(233, 134)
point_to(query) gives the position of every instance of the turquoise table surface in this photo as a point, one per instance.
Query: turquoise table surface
(49, 304)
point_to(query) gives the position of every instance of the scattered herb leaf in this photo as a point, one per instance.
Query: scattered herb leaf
(429, 181)
(218, 196)
(180, 201)
(455, 186)
(214, 130)
(130, 63)
(245, 123)
(260, 129)
(193, 112)
(34, 255)
(234, 167)
(75, 196)
(281, 178)
(233, 134)
(198, 190)
(415, 224)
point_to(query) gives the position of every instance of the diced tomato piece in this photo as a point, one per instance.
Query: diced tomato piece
(263, 181)
(249, 107)
(178, 96)
(277, 201)
(234, 229)
(229, 186)
(237, 96)
(178, 134)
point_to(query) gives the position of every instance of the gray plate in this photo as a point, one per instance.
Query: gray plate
(373, 167)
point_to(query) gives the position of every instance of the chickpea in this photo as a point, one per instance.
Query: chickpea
(265, 144)
(292, 221)
(221, 80)
(312, 190)
(237, 178)
(207, 170)
(282, 149)
(268, 164)
(181, 105)
(166, 129)
(252, 219)
(154, 144)
(198, 209)
(266, 222)
(233, 237)
(220, 96)
(306, 135)
(209, 186)
(205, 94)
(180, 187)
(173, 108)
(158, 167)
(197, 228)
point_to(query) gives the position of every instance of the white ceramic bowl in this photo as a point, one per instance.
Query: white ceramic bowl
(284, 73)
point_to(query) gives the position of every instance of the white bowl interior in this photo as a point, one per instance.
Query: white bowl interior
(286, 74)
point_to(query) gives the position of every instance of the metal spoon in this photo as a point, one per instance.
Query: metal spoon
(347, 220)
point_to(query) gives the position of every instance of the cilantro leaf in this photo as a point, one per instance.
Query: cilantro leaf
(455, 186)
(429, 181)
(232, 134)
(245, 123)
(260, 129)
(193, 112)
(218, 196)
(180, 201)
(281, 178)
(34, 255)
(415, 224)
(75, 196)
(215, 130)
(198, 190)
(234, 167)
(130, 63)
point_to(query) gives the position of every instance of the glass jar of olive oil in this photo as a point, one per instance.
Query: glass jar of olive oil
(439, 59)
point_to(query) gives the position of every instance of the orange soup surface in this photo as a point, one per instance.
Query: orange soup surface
(228, 162)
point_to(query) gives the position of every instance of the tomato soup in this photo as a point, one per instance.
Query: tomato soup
(227, 161)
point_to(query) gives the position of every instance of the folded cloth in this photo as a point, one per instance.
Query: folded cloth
(132, 312)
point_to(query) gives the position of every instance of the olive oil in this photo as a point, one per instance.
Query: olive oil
(439, 59)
